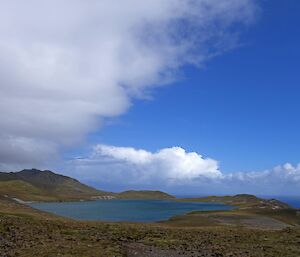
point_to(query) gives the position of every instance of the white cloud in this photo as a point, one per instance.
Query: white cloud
(174, 169)
(170, 163)
(130, 167)
(66, 65)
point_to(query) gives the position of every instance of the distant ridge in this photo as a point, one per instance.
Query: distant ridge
(243, 201)
(38, 185)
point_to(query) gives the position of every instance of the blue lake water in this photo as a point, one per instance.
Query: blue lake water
(126, 210)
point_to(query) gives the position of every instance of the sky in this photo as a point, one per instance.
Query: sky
(196, 97)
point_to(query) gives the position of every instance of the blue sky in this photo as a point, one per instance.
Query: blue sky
(241, 108)
(175, 95)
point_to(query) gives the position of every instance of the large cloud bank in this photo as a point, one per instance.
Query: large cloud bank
(67, 65)
(177, 170)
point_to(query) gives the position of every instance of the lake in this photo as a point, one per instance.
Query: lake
(126, 210)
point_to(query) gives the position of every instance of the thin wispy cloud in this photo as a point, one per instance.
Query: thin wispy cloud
(67, 65)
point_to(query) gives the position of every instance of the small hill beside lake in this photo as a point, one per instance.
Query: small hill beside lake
(145, 194)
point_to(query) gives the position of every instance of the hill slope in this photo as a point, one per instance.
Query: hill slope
(36, 185)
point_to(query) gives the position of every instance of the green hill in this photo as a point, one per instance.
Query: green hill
(144, 194)
(36, 185)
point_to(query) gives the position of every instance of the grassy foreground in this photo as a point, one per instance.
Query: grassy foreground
(26, 232)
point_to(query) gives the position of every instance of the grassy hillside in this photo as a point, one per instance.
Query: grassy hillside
(144, 194)
(24, 191)
(36, 185)
(11, 208)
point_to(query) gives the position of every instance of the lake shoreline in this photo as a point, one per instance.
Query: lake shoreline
(30, 232)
